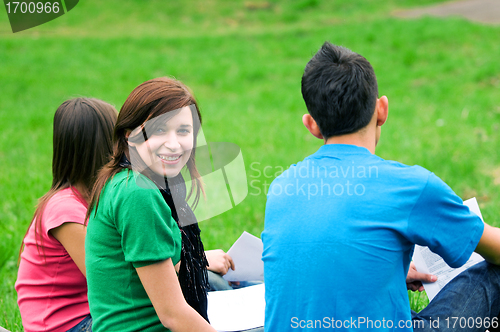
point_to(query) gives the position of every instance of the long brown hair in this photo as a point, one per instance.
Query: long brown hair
(147, 101)
(82, 144)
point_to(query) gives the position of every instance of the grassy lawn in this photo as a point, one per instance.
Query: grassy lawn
(244, 61)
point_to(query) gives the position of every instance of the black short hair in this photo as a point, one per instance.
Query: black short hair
(340, 90)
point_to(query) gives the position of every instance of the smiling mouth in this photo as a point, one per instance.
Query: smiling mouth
(170, 158)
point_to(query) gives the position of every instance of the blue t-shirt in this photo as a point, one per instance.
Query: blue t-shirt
(339, 235)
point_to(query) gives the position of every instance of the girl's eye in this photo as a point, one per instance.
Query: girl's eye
(160, 130)
(183, 131)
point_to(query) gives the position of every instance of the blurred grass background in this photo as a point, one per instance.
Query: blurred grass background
(244, 61)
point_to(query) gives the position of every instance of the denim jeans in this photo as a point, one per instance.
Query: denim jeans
(470, 302)
(84, 326)
(217, 283)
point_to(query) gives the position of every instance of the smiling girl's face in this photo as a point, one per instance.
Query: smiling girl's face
(169, 144)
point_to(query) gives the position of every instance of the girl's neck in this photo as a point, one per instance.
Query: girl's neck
(82, 190)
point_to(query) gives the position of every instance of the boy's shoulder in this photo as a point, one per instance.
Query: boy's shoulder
(345, 160)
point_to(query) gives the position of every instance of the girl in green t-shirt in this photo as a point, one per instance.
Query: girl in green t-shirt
(140, 274)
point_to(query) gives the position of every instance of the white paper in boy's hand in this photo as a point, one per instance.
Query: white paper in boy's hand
(237, 309)
(246, 253)
(428, 262)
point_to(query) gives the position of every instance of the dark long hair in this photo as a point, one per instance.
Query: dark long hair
(147, 101)
(82, 144)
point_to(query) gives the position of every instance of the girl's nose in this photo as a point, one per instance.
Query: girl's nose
(171, 141)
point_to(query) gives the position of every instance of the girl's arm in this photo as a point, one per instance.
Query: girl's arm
(72, 236)
(162, 286)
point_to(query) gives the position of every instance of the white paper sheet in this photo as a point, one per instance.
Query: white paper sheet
(238, 309)
(428, 262)
(246, 253)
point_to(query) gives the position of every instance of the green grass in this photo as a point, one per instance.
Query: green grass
(441, 76)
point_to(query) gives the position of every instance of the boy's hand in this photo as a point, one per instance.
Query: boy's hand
(414, 279)
(219, 261)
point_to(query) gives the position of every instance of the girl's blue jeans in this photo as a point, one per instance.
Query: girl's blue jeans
(84, 326)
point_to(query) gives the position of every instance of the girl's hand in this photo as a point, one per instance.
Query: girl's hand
(219, 261)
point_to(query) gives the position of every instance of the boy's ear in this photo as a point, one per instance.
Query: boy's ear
(311, 125)
(382, 108)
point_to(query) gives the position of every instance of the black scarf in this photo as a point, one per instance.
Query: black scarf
(192, 276)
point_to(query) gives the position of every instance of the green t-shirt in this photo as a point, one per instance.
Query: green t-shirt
(133, 227)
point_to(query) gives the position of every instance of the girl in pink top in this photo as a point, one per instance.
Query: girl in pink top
(51, 284)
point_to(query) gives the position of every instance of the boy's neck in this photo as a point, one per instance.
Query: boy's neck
(365, 139)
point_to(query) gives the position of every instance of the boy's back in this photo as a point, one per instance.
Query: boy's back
(339, 234)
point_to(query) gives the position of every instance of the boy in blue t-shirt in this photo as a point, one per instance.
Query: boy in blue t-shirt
(341, 225)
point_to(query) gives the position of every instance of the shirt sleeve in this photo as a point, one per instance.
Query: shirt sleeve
(62, 209)
(148, 232)
(442, 222)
